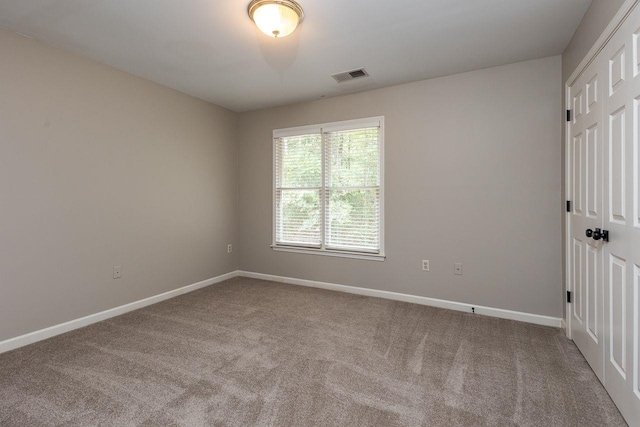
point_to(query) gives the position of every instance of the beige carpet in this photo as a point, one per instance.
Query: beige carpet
(249, 352)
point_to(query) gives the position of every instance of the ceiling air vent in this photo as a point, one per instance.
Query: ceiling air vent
(350, 75)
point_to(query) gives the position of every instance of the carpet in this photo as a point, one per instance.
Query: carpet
(249, 352)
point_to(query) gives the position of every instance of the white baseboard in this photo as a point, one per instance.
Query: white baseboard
(32, 337)
(13, 343)
(451, 305)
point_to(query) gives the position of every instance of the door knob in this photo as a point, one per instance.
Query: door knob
(600, 234)
(589, 232)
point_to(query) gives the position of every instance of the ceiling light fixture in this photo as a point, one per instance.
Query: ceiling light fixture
(276, 18)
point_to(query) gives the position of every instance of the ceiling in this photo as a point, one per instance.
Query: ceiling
(211, 49)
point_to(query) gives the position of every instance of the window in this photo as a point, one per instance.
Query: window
(328, 189)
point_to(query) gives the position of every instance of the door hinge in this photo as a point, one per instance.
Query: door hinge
(568, 205)
(568, 115)
(569, 296)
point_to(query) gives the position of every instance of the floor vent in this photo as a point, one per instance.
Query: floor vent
(350, 75)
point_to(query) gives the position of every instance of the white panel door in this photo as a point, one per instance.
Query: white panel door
(621, 57)
(585, 189)
(603, 152)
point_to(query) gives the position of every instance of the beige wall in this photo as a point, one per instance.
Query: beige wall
(595, 20)
(472, 176)
(99, 168)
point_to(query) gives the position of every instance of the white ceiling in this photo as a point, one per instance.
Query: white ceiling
(211, 49)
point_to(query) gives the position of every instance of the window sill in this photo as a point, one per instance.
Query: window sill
(324, 252)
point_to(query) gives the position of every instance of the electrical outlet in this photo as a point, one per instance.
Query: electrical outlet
(457, 268)
(229, 248)
(425, 265)
(117, 272)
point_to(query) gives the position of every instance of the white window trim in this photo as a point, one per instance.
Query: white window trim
(321, 128)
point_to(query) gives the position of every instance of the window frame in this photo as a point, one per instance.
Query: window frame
(322, 129)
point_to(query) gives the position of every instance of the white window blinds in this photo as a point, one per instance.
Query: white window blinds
(298, 190)
(352, 196)
(328, 187)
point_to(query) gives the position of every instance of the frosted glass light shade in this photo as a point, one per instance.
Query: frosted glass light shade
(276, 18)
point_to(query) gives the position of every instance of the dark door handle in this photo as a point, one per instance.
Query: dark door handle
(589, 232)
(598, 234)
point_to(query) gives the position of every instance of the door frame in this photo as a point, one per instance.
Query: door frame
(626, 8)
